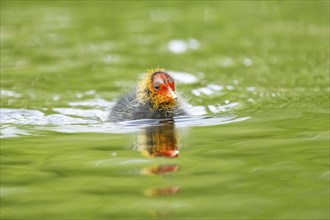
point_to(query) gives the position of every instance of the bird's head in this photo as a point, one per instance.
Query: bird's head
(158, 87)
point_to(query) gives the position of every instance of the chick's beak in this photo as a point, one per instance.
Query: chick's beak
(171, 94)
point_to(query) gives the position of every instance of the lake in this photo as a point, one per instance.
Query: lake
(255, 75)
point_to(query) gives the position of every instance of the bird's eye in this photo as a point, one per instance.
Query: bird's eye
(156, 87)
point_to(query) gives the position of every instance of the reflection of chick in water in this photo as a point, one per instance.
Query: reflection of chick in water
(159, 141)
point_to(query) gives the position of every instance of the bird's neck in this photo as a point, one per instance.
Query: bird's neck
(146, 97)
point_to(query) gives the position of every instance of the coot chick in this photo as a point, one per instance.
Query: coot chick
(153, 98)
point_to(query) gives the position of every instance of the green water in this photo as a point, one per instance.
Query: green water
(269, 61)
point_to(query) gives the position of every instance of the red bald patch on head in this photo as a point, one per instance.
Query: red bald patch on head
(162, 78)
(162, 82)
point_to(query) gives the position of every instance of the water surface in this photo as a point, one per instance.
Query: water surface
(255, 75)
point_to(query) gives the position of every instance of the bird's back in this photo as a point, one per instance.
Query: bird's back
(130, 108)
(124, 108)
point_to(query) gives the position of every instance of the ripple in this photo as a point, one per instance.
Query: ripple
(137, 125)
(8, 132)
(9, 93)
(81, 121)
(95, 114)
(35, 117)
(222, 108)
(209, 89)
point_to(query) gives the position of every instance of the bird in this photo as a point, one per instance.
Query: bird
(154, 97)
